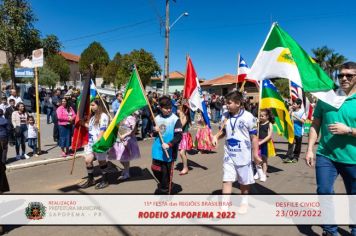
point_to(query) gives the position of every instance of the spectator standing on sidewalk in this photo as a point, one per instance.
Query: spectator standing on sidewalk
(19, 121)
(56, 102)
(5, 130)
(49, 108)
(8, 117)
(13, 95)
(32, 135)
(4, 105)
(66, 117)
(32, 95)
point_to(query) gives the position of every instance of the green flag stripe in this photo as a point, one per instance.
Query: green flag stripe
(314, 78)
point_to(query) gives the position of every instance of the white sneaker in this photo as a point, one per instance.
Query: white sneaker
(261, 174)
(263, 178)
(256, 176)
(26, 156)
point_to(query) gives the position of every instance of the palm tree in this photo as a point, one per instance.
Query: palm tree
(321, 55)
(333, 63)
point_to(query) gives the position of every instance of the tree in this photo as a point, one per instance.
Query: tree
(333, 64)
(112, 68)
(51, 45)
(93, 60)
(18, 37)
(59, 65)
(5, 73)
(321, 55)
(146, 64)
(328, 60)
(48, 77)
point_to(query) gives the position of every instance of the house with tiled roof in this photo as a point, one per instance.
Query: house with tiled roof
(226, 83)
(73, 62)
(176, 83)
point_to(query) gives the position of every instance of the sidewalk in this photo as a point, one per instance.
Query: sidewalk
(50, 150)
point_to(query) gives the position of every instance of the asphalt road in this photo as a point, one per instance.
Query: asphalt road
(205, 177)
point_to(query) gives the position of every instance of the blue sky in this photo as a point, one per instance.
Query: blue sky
(213, 33)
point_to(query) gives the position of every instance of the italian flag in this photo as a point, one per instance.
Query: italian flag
(282, 57)
(134, 99)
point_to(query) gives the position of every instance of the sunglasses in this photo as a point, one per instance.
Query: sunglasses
(348, 76)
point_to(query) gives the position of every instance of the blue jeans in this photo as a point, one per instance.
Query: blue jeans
(32, 143)
(326, 174)
(145, 128)
(49, 114)
(217, 115)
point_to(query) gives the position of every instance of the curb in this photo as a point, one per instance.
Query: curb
(40, 162)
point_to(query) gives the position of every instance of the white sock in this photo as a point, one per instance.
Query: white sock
(244, 200)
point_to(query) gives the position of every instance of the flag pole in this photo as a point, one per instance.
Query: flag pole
(238, 64)
(91, 81)
(149, 106)
(259, 113)
(76, 148)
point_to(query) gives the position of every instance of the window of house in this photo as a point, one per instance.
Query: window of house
(159, 85)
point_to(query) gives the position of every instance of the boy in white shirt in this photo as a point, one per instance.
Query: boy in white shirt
(240, 129)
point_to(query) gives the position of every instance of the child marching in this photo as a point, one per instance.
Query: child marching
(203, 137)
(186, 143)
(264, 136)
(97, 125)
(171, 128)
(240, 130)
(126, 147)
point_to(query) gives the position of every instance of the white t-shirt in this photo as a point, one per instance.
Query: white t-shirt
(94, 130)
(238, 129)
(31, 131)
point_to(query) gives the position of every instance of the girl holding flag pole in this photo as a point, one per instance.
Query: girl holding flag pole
(97, 125)
(186, 143)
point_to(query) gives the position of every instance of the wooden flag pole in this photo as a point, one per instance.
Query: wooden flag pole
(237, 74)
(76, 148)
(149, 106)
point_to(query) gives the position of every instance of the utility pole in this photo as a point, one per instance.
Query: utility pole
(166, 53)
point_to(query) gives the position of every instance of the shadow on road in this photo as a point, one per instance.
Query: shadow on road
(272, 169)
(191, 164)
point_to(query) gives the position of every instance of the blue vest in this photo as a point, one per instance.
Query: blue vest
(166, 126)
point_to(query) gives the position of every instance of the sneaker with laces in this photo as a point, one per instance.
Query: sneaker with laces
(26, 156)
(287, 160)
(295, 160)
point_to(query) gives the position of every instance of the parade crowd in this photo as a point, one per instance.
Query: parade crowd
(245, 129)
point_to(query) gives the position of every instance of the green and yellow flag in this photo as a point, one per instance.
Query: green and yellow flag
(272, 99)
(133, 100)
(282, 57)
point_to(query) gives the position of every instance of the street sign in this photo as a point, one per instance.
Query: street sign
(24, 73)
(37, 57)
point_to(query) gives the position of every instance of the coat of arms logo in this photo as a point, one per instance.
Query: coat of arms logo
(35, 211)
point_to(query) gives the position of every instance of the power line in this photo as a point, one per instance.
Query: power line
(109, 31)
